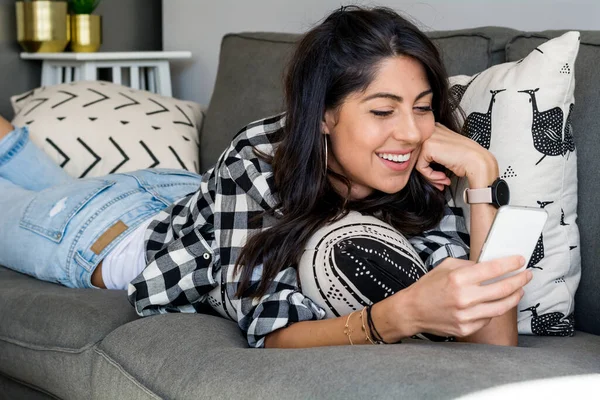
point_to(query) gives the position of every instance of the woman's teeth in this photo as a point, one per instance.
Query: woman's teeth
(399, 158)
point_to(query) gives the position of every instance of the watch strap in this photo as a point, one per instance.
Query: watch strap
(476, 196)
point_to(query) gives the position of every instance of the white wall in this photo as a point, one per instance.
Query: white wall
(199, 25)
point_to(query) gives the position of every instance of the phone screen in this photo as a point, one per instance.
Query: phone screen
(515, 231)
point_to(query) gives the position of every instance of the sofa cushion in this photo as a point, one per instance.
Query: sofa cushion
(249, 86)
(249, 83)
(48, 316)
(48, 331)
(93, 128)
(468, 51)
(519, 111)
(586, 127)
(191, 356)
(11, 389)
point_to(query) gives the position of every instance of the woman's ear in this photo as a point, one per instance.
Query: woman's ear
(328, 122)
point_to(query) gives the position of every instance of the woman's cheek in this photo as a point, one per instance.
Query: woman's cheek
(427, 127)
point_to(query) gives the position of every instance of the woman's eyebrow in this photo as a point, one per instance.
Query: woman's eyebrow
(394, 97)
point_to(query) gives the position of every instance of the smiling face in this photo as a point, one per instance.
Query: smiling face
(376, 134)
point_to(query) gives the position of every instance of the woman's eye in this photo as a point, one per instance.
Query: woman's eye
(381, 113)
(424, 109)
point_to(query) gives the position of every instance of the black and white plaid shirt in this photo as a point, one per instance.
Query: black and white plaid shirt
(192, 246)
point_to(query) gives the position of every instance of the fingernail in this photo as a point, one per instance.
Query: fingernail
(529, 275)
(522, 260)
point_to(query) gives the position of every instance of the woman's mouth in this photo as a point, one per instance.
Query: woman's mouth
(397, 158)
(396, 162)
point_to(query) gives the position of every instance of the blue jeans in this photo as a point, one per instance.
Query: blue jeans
(49, 221)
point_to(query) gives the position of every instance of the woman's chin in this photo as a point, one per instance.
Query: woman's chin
(392, 189)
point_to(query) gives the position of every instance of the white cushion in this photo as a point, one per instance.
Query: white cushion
(94, 128)
(531, 137)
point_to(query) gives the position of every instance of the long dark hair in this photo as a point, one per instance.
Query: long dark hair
(334, 59)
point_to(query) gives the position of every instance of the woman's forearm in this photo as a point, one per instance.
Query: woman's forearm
(332, 332)
(501, 330)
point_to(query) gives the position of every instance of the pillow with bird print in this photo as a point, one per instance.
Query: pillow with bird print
(94, 128)
(521, 112)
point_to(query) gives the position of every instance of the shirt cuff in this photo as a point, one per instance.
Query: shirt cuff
(277, 311)
(445, 251)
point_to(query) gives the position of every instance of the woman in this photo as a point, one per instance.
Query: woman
(367, 126)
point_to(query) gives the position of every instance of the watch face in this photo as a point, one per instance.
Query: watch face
(502, 192)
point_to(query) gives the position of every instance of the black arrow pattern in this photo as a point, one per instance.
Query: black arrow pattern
(39, 103)
(152, 156)
(162, 108)
(71, 97)
(133, 102)
(58, 149)
(102, 98)
(189, 121)
(125, 157)
(24, 96)
(72, 100)
(178, 158)
(97, 158)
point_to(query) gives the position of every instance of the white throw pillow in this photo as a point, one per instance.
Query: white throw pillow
(521, 112)
(93, 128)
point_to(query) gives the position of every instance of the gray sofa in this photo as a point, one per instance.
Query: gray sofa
(79, 344)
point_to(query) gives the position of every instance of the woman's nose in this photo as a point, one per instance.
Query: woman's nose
(407, 131)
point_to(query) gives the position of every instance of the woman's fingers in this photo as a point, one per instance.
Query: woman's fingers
(495, 308)
(436, 178)
(487, 270)
(501, 289)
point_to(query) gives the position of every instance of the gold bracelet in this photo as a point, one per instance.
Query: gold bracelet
(362, 320)
(347, 329)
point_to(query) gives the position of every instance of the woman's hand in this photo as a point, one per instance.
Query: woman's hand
(450, 300)
(459, 154)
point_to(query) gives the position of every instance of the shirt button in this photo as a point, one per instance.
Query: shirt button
(206, 256)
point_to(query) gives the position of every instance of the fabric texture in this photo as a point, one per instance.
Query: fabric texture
(93, 128)
(193, 245)
(586, 128)
(521, 112)
(47, 331)
(229, 370)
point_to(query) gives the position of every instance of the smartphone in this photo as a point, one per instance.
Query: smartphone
(515, 231)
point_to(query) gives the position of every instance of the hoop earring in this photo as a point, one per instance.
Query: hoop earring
(325, 170)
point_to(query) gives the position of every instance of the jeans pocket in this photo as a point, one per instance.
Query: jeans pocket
(51, 210)
(176, 172)
(167, 185)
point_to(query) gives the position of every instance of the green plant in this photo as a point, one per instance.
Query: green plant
(83, 6)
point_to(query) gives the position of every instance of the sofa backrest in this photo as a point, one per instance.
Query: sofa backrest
(249, 86)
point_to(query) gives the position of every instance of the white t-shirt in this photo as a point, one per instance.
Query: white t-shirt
(127, 260)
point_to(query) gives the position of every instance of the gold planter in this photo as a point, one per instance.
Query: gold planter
(86, 33)
(42, 26)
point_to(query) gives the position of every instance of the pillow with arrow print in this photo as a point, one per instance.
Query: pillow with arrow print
(521, 112)
(94, 128)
